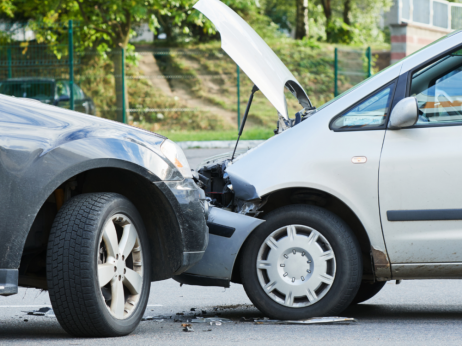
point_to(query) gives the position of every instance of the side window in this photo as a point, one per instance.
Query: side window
(61, 89)
(78, 93)
(370, 113)
(438, 89)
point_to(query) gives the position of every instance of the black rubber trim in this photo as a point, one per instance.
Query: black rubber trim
(424, 215)
(220, 230)
(197, 280)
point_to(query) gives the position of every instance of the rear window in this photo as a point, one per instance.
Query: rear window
(33, 89)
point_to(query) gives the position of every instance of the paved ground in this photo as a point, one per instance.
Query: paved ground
(414, 312)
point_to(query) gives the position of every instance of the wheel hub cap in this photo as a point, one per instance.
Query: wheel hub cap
(296, 266)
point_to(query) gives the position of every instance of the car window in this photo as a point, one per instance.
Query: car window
(62, 89)
(39, 90)
(438, 90)
(370, 113)
(78, 93)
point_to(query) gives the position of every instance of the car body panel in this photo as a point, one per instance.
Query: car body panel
(43, 146)
(312, 155)
(327, 166)
(420, 170)
(220, 256)
(250, 52)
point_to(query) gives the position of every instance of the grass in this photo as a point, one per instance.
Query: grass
(208, 76)
(250, 133)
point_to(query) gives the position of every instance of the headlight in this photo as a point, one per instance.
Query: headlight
(176, 156)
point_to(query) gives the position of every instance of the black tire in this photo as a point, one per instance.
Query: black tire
(367, 291)
(347, 256)
(72, 262)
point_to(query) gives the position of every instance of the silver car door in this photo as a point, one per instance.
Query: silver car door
(420, 177)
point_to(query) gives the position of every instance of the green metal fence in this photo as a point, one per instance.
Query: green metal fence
(351, 67)
(170, 88)
(63, 73)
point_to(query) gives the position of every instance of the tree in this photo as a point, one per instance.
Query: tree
(346, 12)
(302, 26)
(327, 8)
(7, 7)
(106, 25)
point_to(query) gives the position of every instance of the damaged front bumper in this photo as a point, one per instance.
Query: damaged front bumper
(228, 232)
(191, 209)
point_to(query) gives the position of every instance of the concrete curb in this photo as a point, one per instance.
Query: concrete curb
(243, 144)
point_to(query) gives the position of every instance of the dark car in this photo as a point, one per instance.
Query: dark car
(52, 91)
(93, 211)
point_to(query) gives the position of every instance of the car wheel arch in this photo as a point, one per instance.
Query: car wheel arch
(298, 195)
(162, 226)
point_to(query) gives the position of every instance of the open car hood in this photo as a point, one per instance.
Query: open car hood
(253, 55)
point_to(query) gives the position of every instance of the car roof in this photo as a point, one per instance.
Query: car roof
(29, 79)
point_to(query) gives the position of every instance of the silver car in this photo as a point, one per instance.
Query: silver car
(362, 190)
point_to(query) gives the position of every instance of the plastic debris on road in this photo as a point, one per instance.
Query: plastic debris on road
(314, 320)
(212, 320)
(187, 327)
(153, 318)
(46, 311)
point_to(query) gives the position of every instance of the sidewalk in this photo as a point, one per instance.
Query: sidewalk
(243, 144)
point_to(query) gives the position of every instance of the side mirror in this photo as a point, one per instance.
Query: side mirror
(405, 114)
(64, 98)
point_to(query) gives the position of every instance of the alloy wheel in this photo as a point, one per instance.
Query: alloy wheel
(120, 266)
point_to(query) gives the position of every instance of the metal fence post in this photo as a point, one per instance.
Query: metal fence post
(71, 66)
(336, 73)
(369, 62)
(124, 120)
(238, 98)
(9, 63)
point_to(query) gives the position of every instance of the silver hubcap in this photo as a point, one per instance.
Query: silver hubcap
(296, 266)
(120, 266)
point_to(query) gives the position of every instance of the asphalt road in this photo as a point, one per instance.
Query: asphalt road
(425, 312)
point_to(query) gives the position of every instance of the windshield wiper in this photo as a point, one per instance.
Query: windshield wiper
(241, 128)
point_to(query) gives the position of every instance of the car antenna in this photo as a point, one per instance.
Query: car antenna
(241, 128)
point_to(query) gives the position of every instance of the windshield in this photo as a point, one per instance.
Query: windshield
(31, 89)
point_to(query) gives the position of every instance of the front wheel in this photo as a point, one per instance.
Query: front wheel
(302, 262)
(98, 266)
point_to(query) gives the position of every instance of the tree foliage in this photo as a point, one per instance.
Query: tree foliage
(108, 24)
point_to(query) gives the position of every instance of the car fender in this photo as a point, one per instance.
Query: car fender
(32, 174)
(227, 233)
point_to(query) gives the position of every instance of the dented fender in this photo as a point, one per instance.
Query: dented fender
(227, 233)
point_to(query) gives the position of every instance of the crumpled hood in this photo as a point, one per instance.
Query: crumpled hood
(253, 55)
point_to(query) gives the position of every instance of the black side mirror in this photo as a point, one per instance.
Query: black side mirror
(62, 98)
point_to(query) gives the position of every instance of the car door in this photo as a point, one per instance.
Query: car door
(420, 176)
